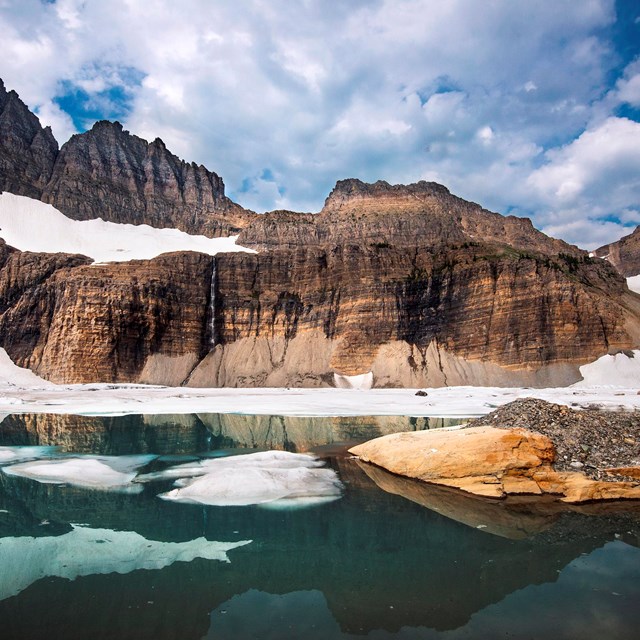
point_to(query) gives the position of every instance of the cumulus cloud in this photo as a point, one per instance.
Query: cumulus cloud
(484, 97)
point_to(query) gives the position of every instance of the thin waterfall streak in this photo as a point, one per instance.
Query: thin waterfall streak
(212, 307)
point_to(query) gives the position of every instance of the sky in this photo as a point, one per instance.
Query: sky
(529, 108)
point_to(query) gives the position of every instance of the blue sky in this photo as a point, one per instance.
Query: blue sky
(527, 107)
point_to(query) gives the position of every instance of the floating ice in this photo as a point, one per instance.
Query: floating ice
(268, 477)
(11, 455)
(105, 473)
(85, 551)
(260, 460)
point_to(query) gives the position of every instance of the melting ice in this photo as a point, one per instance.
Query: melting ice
(278, 478)
(106, 473)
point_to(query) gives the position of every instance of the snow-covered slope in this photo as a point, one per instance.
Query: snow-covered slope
(618, 370)
(31, 225)
(12, 374)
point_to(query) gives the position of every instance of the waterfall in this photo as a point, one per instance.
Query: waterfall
(212, 307)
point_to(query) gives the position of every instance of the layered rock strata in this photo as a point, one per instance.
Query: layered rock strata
(424, 213)
(412, 317)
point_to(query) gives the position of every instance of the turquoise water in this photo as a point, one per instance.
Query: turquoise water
(376, 563)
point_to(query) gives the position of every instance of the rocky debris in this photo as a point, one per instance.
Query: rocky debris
(590, 440)
(624, 254)
(421, 393)
(496, 462)
(27, 151)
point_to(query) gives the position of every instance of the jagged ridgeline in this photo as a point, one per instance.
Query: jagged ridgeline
(408, 284)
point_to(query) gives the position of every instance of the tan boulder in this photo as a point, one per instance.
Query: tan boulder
(488, 461)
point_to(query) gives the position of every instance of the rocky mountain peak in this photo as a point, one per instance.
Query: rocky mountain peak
(27, 151)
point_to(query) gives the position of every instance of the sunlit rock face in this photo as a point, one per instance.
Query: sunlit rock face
(490, 462)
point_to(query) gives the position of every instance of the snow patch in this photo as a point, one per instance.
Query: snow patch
(12, 374)
(617, 370)
(363, 381)
(104, 473)
(31, 225)
(85, 551)
(634, 283)
(275, 477)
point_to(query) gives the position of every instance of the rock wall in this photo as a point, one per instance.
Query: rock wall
(398, 215)
(293, 318)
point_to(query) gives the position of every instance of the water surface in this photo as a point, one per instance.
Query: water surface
(389, 559)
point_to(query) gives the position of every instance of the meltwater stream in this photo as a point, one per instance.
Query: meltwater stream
(387, 558)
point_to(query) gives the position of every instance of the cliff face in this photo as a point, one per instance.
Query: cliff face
(424, 213)
(297, 317)
(27, 151)
(624, 254)
(111, 174)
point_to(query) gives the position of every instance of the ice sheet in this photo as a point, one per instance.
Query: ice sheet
(612, 371)
(104, 473)
(85, 551)
(31, 225)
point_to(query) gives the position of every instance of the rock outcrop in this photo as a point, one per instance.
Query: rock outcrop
(489, 462)
(425, 213)
(110, 174)
(27, 151)
(624, 254)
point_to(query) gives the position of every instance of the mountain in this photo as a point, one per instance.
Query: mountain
(110, 174)
(406, 283)
(624, 254)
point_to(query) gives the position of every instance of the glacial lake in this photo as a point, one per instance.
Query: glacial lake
(387, 558)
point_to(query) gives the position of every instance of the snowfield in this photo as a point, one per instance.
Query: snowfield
(31, 225)
(611, 382)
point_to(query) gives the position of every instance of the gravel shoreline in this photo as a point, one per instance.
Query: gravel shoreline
(586, 440)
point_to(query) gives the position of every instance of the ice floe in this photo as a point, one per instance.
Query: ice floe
(31, 225)
(104, 473)
(287, 479)
(13, 455)
(86, 551)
